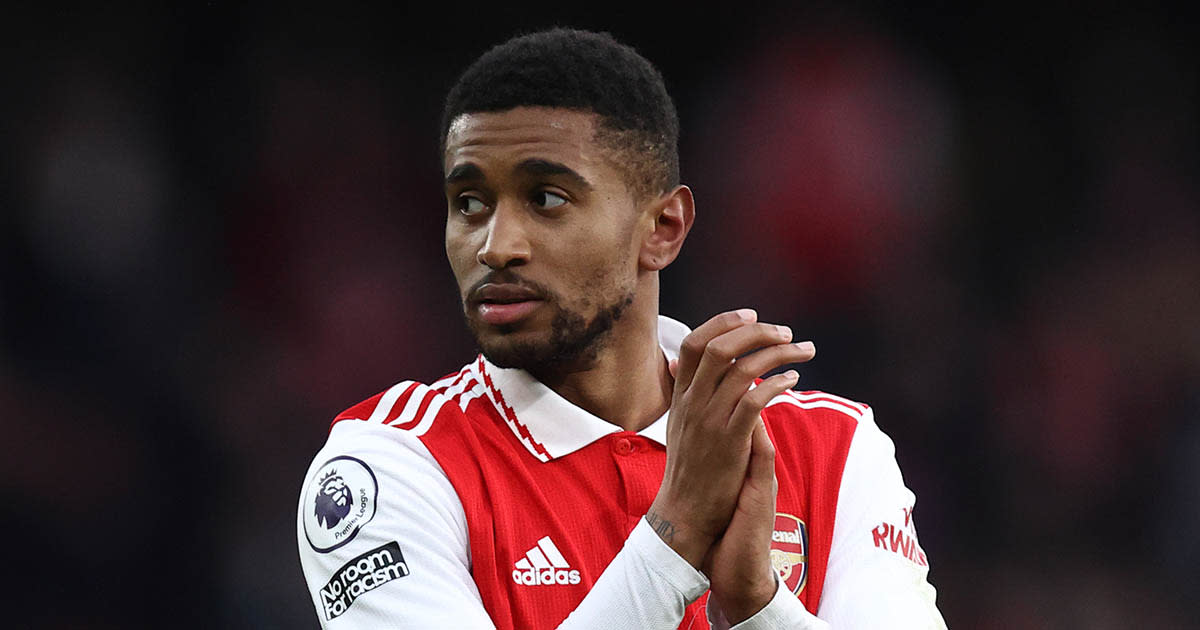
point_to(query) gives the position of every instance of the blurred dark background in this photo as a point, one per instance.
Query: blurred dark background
(221, 225)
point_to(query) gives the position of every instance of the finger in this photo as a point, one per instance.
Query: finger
(762, 455)
(746, 413)
(720, 353)
(761, 482)
(741, 374)
(692, 348)
(769, 358)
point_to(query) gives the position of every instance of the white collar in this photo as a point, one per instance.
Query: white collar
(546, 423)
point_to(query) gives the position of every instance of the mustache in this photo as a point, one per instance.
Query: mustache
(506, 276)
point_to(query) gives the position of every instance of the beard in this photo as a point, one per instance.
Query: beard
(575, 341)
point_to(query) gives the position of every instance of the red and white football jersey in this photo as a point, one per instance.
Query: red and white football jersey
(486, 500)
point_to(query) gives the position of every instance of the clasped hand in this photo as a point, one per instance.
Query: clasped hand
(716, 504)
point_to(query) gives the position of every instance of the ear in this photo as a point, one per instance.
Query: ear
(673, 214)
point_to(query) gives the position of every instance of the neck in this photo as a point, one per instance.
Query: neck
(628, 384)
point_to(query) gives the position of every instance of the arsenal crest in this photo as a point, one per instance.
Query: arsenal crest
(789, 551)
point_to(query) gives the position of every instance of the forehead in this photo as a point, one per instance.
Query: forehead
(509, 137)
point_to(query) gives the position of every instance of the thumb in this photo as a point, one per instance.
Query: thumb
(762, 455)
(673, 367)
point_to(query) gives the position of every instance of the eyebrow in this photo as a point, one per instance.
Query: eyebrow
(533, 166)
(464, 172)
(546, 168)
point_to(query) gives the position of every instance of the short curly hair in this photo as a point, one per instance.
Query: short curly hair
(584, 71)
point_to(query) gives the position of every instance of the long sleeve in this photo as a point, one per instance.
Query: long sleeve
(409, 504)
(783, 612)
(877, 572)
(646, 586)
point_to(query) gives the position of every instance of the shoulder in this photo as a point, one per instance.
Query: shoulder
(400, 434)
(384, 435)
(374, 492)
(378, 448)
(413, 407)
(820, 428)
(376, 444)
(815, 405)
(818, 414)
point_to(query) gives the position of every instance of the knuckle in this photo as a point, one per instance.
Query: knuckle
(767, 393)
(692, 345)
(745, 406)
(716, 352)
(798, 353)
(759, 399)
(771, 331)
(752, 401)
(745, 369)
(763, 360)
(729, 318)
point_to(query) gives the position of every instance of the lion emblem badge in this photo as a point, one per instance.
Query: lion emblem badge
(333, 500)
(339, 499)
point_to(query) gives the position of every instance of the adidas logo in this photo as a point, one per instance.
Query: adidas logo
(544, 564)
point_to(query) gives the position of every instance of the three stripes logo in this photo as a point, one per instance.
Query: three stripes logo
(544, 565)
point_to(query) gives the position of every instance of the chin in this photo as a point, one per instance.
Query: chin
(570, 343)
(513, 346)
(522, 356)
(509, 346)
(540, 356)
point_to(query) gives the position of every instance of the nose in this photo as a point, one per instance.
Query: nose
(507, 242)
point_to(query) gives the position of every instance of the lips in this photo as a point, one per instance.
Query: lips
(504, 294)
(500, 304)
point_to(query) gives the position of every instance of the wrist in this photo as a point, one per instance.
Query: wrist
(747, 602)
(690, 543)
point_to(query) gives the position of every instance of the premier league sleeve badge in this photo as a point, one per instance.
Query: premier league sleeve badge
(340, 498)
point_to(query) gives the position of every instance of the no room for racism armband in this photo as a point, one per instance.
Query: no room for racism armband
(362, 575)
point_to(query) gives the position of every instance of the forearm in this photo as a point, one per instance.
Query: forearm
(647, 585)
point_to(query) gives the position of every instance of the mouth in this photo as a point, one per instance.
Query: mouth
(502, 304)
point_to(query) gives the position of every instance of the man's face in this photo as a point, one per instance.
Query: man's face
(540, 233)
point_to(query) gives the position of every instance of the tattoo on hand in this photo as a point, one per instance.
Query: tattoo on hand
(664, 528)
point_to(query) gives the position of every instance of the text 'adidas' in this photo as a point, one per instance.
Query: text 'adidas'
(544, 565)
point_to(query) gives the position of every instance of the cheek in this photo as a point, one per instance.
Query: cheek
(459, 251)
(608, 266)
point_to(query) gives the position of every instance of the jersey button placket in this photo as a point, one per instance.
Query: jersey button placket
(639, 466)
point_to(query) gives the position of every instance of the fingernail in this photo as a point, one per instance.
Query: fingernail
(806, 345)
(792, 375)
(784, 332)
(747, 314)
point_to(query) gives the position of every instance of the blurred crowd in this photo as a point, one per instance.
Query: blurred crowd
(222, 225)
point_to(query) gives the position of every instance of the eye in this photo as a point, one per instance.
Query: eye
(547, 200)
(470, 206)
